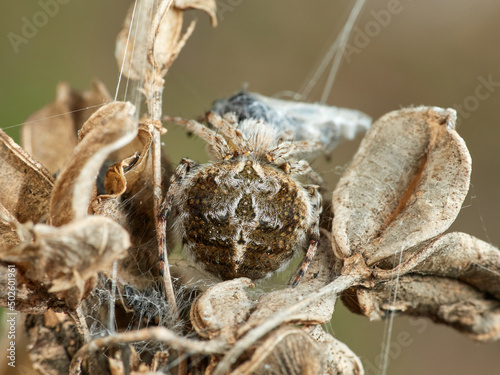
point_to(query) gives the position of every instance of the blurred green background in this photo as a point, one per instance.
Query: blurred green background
(430, 52)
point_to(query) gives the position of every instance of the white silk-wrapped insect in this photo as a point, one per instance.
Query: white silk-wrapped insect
(300, 121)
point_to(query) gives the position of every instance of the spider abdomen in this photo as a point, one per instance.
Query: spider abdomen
(243, 218)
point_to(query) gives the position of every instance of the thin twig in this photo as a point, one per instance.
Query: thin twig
(160, 334)
(154, 88)
(81, 324)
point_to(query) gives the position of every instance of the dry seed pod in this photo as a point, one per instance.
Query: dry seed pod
(65, 257)
(132, 61)
(443, 300)
(25, 185)
(115, 183)
(130, 180)
(166, 39)
(112, 127)
(287, 351)
(457, 256)
(49, 135)
(208, 6)
(132, 48)
(339, 359)
(222, 309)
(404, 186)
(140, 150)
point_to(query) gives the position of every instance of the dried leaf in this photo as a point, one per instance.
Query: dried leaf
(457, 256)
(25, 185)
(319, 274)
(161, 40)
(286, 351)
(130, 174)
(339, 359)
(404, 186)
(441, 299)
(65, 257)
(129, 202)
(222, 309)
(208, 6)
(111, 127)
(133, 163)
(166, 39)
(131, 43)
(49, 135)
(115, 183)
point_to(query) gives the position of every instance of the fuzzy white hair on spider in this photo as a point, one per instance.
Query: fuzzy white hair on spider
(246, 214)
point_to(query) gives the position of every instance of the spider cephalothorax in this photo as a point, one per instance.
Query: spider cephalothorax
(246, 214)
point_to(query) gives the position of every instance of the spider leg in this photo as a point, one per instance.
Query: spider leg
(302, 167)
(182, 170)
(314, 234)
(227, 126)
(289, 148)
(216, 141)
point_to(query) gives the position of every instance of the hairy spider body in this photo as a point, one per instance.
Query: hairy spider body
(246, 214)
(243, 217)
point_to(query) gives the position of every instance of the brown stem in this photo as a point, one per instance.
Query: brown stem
(81, 324)
(160, 224)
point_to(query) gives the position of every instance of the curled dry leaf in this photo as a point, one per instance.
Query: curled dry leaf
(49, 135)
(59, 258)
(208, 6)
(161, 41)
(130, 174)
(133, 159)
(25, 185)
(443, 300)
(222, 309)
(286, 351)
(65, 257)
(457, 256)
(164, 37)
(321, 311)
(339, 359)
(107, 130)
(128, 201)
(405, 185)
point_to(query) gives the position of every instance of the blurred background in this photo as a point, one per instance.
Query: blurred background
(402, 53)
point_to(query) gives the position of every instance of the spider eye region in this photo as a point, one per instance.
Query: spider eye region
(243, 218)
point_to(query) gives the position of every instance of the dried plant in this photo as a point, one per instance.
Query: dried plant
(86, 249)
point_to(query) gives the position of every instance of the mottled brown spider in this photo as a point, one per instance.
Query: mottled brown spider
(246, 214)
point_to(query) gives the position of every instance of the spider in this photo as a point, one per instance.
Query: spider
(246, 214)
